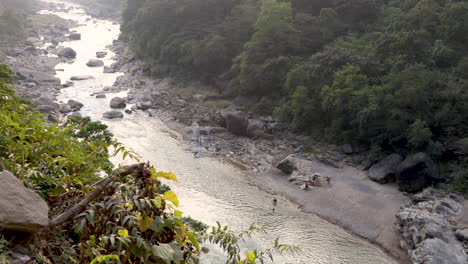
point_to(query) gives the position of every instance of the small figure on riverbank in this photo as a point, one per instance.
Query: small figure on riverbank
(275, 202)
(328, 179)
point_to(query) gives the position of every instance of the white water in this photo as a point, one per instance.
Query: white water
(208, 190)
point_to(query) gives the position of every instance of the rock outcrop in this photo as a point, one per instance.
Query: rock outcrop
(426, 224)
(384, 170)
(21, 209)
(416, 172)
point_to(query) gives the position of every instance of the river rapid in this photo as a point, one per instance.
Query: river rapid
(209, 190)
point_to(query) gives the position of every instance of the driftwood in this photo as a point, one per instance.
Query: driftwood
(100, 187)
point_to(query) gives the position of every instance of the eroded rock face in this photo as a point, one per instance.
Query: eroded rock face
(21, 209)
(416, 172)
(427, 228)
(384, 170)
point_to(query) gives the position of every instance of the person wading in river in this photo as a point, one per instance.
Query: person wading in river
(275, 202)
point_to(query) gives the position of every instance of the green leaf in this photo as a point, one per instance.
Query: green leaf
(163, 252)
(171, 197)
(104, 258)
(145, 223)
(157, 224)
(178, 213)
(165, 175)
(192, 239)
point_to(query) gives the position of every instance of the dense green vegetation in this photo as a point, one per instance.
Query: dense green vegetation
(13, 18)
(391, 74)
(107, 8)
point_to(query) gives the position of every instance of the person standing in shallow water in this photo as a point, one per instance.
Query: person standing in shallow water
(275, 202)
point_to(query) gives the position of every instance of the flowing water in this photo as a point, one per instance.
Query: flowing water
(208, 189)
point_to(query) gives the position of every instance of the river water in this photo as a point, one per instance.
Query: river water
(208, 189)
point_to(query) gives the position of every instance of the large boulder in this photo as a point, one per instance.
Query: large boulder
(221, 116)
(237, 123)
(67, 53)
(117, 102)
(113, 114)
(21, 209)
(75, 105)
(416, 172)
(65, 109)
(36, 77)
(74, 36)
(287, 165)
(46, 105)
(384, 170)
(95, 63)
(254, 128)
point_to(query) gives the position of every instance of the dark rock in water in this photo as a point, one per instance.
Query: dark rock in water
(416, 172)
(100, 96)
(95, 63)
(81, 77)
(53, 118)
(254, 128)
(237, 123)
(128, 111)
(65, 109)
(74, 36)
(67, 53)
(384, 170)
(101, 54)
(68, 84)
(117, 102)
(75, 105)
(112, 114)
(108, 69)
(21, 209)
(287, 165)
(36, 76)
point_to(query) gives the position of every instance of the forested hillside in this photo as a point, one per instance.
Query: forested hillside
(13, 18)
(386, 74)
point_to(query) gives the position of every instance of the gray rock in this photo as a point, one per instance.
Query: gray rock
(222, 115)
(462, 234)
(180, 102)
(74, 36)
(65, 109)
(14, 52)
(53, 118)
(67, 84)
(108, 69)
(44, 100)
(118, 102)
(437, 251)
(81, 77)
(75, 114)
(67, 53)
(95, 63)
(37, 77)
(75, 105)
(237, 123)
(416, 172)
(384, 170)
(113, 114)
(101, 54)
(287, 165)
(47, 109)
(276, 127)
(21, 209)
(254, 128)
(244, 101)
(128, 111)
(347, 149)
(100, 96)
(144, 105)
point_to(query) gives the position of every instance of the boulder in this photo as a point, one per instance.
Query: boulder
(458, 146)
(81, 77)
(21, 209)
(287, 165)
(144, 105)
(100, 96)
(47, 109)
(221, 116)
(347, 149)
(74, 36)
(113, 114)
(95, 63)
(128, 111)
(117, 102)
(67, 53)
(462, 234)
(237, 123)
(101, 54)
(416, 172)
(14, 52)
(36, 77)
(65, 109)
(108, 69)
(53, 118)
(75, 105)
(384, 170)
(254, 128)
(44, 100)
(67, 84)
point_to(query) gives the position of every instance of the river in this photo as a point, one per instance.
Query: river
(208, 189)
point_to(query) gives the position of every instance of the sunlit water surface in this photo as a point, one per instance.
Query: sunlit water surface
(208, 189)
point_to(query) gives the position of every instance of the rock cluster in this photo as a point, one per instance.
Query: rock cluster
(427, 224)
